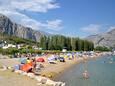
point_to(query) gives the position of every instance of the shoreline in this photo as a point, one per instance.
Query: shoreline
(53, 70)
(60, 68)
(67, 68)
(57, 77)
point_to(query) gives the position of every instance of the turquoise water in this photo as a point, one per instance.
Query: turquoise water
(102, 73)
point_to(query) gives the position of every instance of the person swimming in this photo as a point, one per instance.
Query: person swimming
(85, 74)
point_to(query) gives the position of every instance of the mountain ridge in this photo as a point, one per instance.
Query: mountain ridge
(11, 28)
(103, 39)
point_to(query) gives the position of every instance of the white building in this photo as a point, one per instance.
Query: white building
(8, 46)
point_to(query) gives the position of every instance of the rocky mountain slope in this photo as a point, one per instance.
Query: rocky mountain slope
(103, 39)
(11, 28)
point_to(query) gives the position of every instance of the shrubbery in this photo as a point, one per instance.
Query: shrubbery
(9, 51)
(102, 48)
(12, 51)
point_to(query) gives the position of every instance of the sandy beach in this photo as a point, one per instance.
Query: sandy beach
(49, 70)
(52, 70)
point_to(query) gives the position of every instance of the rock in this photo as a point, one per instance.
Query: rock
(24, 73)
(103, 39)
(31, 75)
(50, 82)
(11, 28)
(18, 71)
(47, 81)
(10, 68)
(38, 78)
(60, 84)
(43, 80)
(63, 84)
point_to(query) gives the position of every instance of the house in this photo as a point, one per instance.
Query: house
(35, 47)
(64, 49)
(9, 46)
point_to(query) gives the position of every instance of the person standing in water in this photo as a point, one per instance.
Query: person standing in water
(85, 74)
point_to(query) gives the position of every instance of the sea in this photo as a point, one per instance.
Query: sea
(101, 73)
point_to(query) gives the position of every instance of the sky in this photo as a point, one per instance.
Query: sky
(76, 18)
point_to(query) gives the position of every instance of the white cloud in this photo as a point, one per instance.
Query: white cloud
(29, 5)
(12, 8)
(92, 28)
(54, 24)
(34, 5)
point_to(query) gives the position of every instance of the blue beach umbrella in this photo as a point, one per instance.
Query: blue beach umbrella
(23, 60)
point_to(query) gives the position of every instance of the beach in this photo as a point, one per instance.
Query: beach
(59, 67)
(49, 70)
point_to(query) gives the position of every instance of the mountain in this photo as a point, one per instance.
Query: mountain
(14, 40)
(103, 39)
(13, 29)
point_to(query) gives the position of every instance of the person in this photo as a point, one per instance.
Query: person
(34, 62)
(28, 60)
(85, 74)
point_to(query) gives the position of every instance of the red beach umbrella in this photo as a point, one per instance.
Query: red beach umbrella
(40, 60)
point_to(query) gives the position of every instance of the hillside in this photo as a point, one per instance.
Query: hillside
(103, 39)
(13, 29)
(15, 40)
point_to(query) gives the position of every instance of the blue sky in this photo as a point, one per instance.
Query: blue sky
(69, 17)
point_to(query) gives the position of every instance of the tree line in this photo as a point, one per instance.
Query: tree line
(58, 42)
(102, 48)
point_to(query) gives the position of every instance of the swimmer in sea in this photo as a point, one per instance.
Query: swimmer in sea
(85, 74)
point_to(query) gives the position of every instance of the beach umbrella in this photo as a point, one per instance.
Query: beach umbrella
(26, 67)
(40, 60)
(52, 58)
(23, 60)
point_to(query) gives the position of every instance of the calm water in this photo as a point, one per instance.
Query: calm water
(102, 73)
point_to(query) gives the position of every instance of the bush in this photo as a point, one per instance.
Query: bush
(9, 51)
(23, 50)
(102, 48)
